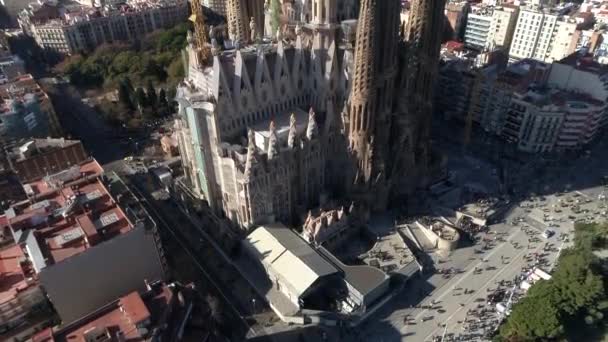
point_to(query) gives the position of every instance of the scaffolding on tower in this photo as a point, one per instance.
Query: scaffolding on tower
(201, 41)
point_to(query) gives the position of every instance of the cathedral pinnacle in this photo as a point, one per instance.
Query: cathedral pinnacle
(251, 155)
(312, 130)
(291, 139)
(273, 142)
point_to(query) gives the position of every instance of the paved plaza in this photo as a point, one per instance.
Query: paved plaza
(454, 307)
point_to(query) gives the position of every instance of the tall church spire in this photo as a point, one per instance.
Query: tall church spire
(363, 93)
(423, 35)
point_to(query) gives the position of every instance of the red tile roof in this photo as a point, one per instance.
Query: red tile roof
(123, 315)
(12, 279)
(70, 219)
(135, 309)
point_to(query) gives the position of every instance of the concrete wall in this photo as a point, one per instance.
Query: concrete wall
(439, 243)
(83, 283)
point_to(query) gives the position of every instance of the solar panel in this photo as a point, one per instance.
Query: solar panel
(108, 219)
(69, 236)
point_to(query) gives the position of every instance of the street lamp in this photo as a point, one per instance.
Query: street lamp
(253, 305)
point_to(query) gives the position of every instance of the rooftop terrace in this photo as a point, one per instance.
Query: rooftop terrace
(12, 277)
(67, 213)
(133, 317)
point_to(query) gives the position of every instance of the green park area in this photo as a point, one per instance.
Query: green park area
(573, 304)
(142, 75)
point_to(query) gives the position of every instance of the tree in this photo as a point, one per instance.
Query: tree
(175, 71)
(162, 98)
(124, 94)
(140, 98)
(573, 303)
(275, 19)
(151, 94)
(578, 286)
(536, 316)
(129, 85)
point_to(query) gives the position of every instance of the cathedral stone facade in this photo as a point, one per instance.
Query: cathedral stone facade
(275, 124)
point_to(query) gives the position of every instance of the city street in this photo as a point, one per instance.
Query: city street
(434, 307)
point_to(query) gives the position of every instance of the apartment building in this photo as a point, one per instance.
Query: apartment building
(456, 14)
(478, 26)
(35, 158)
(85, 239)
(543, 34)
(490, 25)
(542, 107)
(158, 313)
(76, 28)
(26, 111)
(503, 24)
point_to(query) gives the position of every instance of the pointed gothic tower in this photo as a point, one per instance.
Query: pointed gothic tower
(362, 101)
(423, 35)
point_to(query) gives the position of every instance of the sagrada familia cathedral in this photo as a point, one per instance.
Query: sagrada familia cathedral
(333, 106)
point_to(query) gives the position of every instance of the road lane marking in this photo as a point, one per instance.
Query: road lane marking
(485, 285)
(466, 275)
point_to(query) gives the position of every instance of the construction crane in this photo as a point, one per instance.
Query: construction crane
(201, 42)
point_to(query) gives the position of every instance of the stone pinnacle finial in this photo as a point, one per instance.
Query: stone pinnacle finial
(291, 139)
(312, 130)
(251, 155)
(273, 142)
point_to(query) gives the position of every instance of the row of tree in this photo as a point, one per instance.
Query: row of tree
(147, 102)
(138, 98)
(157, 57)
(573, 303)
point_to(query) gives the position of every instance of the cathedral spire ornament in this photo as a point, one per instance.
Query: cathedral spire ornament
(291, 139)
(312, 130)
(273, 142)
(251, 155)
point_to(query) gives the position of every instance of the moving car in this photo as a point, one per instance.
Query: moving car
(548, 233)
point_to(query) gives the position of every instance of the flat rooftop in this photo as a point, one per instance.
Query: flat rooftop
(584, 63)
(21, 85)
(33, 147)
(122, 315)
(12, 277)
(477, 209)
(68, 213)
(134, 316)
(47, 185)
